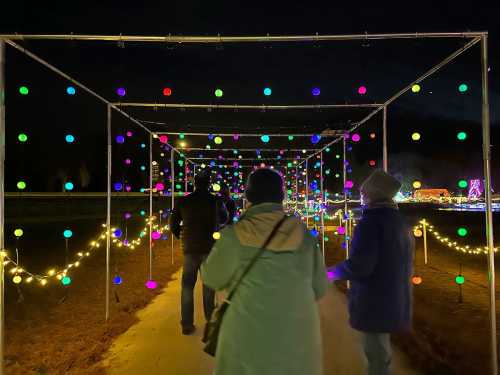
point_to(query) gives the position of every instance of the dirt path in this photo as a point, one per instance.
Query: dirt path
(155, 345)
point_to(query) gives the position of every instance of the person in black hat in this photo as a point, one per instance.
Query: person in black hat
(201, 214)
(379, 267)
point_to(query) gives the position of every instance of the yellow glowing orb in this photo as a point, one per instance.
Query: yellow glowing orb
(218, 140)
(17, 279)
(415, 136)
(417, 184)
(216, 235)
(216, 187)
(417, 232)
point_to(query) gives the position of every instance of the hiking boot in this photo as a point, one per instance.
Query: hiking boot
(188, 330)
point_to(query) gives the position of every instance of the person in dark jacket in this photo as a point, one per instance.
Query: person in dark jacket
(379, 267)
(229, 203)
(201, 214)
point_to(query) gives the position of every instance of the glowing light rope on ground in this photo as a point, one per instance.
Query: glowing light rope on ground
(450, 243)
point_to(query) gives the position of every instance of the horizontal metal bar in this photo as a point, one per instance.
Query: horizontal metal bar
(247, 159)
(238, 39)
(245, 106)
(241, 135)
(187, 149)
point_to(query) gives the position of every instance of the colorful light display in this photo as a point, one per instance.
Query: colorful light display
(316, 91)
(415, 136)
(267, 91)
(67, 233)
(167, 91)
(23, 90)
(265, 138)
(21, 185)
(70, 90)
(416, 88)
(219, 93)
(462, 136)
(22, 137)
(120, 91)
(69, 138)
(463, 87)
(362, 90)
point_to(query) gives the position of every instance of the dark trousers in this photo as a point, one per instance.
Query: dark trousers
(192, 263)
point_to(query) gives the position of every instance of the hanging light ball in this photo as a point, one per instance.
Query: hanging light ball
(155, 235)
(416, 88)
(316, 91)
(163, 139)
(460, 280)
(23, 90)
(341, 230)
(349, 184)
(120, 139)
(117, 233)
(417, 184)
(120, 91)
(159, 186)
(290, 137)
(463, 87)
(22, 137)
(265, 138)
(21, 185)
(372, 163)
(356, 137)
(219, 93)
(66, 280)
(216, 235)
(416, 280)
(216, 187)
(67, 233)
(167, 91)
(18, 232)
(462, 232)
(315, 139)
(217, 140)
(69, 186)
(362, 90)
(117, 280)
(417, 232)
(415, 136)
(462, 184)
(462, 136)
(267, 91)
(17, 279)
(151, 284)
(372, 135)
(69, 138)
(70, 90)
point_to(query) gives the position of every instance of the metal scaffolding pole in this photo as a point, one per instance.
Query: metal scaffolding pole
(306, 195)
(172, 188)
(150, 206)
(488, 201)
(322, 207)
(296, 188)
(384, 140)
(108, 212)
(243, 107)
(2, 203)
(218, 39)
(346, 203)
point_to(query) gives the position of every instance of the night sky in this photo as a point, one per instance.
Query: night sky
(193, 72)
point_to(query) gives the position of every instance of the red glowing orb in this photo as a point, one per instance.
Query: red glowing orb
(167, 91)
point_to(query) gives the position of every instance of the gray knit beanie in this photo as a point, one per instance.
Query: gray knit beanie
(380, 187)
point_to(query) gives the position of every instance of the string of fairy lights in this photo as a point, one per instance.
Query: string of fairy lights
(20, 274)
(450, 243)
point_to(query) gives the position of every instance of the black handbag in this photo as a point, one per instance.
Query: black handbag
(212, 328)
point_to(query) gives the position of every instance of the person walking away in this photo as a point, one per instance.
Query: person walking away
(201, 214)
(272, 324)
(379, 267)
(229, 203)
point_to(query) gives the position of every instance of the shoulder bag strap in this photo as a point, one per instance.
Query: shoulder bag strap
(254, 259)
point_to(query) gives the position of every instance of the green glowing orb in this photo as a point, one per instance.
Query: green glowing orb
(22, 137)
(460, 279)
(462, 232)
(462, 184)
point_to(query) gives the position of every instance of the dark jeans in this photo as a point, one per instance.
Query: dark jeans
(192, 263)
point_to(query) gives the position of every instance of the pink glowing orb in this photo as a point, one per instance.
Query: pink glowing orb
(186, 193)
(329, 275)
(155, 235)
(355, 137)
(159, 186)
(349, 184)
(128, 215)
(151, 284)
(362, 90)
(235, 164)
(262, 165)
(128, 188)
(236, 137)
(341, 230)
(128, 161)
(163, 139)
(129, 134)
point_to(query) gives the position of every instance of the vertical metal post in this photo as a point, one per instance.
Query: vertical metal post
(185, 176)
(487, 197)
(384, 141)
(108, 213)
(306, 195)
(424, 226)
(150, 206)
(296, 188)
(346, 203)
(2, 201)
(172, 188)
(322, 207)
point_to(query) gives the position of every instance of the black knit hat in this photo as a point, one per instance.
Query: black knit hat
(264, 186)
(202, 179)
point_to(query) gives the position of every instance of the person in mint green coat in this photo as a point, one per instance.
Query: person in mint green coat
(272, 325)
